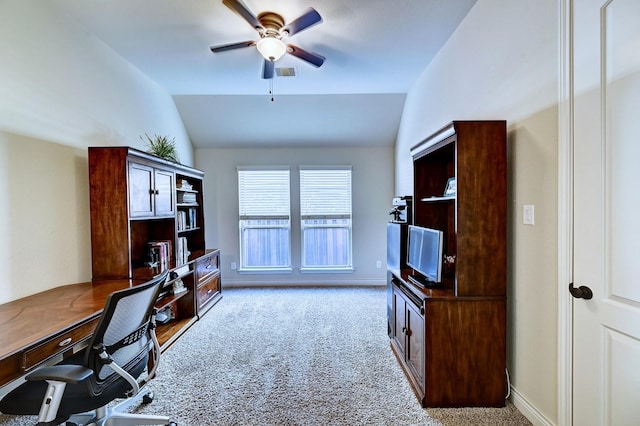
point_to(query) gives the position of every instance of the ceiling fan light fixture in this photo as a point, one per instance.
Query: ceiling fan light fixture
(271, 48)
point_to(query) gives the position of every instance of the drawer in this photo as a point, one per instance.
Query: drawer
(58, 344)
(206, 267)
(208, 290)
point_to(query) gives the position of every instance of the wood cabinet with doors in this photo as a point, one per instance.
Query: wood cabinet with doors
(147, 215)
(151, 191)
(408, 333)
(450, 337)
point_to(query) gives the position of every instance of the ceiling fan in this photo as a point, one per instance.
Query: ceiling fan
(272, 30)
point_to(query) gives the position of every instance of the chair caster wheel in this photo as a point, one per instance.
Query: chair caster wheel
(172, 424)
(147, 398)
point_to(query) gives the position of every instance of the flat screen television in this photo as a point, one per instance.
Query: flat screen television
(424, 254)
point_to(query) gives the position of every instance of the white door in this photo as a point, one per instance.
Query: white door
(606, 328)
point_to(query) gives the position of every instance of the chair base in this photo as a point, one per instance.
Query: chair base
(116, 416)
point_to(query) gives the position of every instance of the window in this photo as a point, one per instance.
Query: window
(325, 216)
(265, 225)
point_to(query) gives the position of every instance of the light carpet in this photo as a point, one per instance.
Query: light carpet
(303, 356)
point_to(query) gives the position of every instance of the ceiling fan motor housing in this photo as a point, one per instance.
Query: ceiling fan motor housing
(271, 22)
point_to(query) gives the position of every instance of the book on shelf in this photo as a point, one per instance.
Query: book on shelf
(187, 219)
(183, 251)
(187, 198)
(184, 184)
(159, 252)
(192, 218)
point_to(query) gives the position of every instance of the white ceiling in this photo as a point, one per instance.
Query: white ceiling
(374, 50)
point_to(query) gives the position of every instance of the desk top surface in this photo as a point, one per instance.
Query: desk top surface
(34, 318)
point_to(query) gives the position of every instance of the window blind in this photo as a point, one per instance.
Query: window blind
(325, 194)
(263, 194)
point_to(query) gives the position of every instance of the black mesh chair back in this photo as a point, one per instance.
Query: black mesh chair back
(123, 333)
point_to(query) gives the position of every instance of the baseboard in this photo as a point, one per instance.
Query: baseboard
(228, 283)
(529, 410)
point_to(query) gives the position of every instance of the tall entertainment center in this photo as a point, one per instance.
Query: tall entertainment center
(450, 338)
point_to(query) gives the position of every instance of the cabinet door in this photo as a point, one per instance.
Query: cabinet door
(140, 190)
(415, 343)
(399, 326)
(164, 190)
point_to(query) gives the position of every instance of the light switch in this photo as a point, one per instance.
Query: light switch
(528, 214)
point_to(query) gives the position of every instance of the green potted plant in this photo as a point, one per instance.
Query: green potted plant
(162, 147)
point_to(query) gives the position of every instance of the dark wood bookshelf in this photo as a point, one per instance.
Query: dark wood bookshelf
(134, 201)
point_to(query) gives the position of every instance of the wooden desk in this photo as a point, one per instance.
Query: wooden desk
(38, 327)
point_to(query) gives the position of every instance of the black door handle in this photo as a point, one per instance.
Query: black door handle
(582, 292)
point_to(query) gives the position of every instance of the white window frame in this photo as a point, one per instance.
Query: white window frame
(345, 213)
(248, 211)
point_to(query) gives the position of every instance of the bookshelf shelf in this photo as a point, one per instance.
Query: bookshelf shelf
(438, 199)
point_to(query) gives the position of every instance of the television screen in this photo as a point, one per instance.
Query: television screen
(424, 253)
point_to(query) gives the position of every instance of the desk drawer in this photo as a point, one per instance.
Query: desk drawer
(206, 267)
(58, 344)
(208, 290)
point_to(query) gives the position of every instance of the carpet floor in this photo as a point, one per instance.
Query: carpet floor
(304, 356)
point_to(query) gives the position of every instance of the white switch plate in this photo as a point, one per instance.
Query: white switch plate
(378, 264)
(233, 266)
(528, 214)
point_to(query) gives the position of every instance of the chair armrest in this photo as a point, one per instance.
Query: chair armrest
(62, 373)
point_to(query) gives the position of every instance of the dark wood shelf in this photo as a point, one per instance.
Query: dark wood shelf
(180, 231)
(168, 333)
(438, 199)
(171, 298)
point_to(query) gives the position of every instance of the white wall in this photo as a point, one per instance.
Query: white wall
(372, 189)
(502, 63)
(60, 92)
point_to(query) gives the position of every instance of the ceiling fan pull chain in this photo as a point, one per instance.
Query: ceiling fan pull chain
(271, 88)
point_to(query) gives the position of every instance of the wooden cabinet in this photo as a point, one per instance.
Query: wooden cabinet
(452, 349)
(451, 338)
(408, 336)
(147, 215)
(151, 191)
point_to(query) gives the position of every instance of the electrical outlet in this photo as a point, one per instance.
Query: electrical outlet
(378, 264)
(528, 214)
(234, 266)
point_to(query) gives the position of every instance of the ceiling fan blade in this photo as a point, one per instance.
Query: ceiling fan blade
(241, 9)
(267, 69)
(312, 58)
(308, 19)
(231, 46)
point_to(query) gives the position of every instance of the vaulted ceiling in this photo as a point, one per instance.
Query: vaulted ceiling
(374, 49)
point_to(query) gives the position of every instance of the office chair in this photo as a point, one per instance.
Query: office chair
(82, 388)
